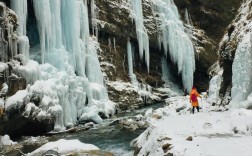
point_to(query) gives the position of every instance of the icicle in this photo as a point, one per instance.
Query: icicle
(142, 35)
(130, 65)
(20, 8)
(174, 40)
(94, 17)
(109, 44)
(189, 24)
(114, 43)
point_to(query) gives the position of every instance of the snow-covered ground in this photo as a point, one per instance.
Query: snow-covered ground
(215, 133)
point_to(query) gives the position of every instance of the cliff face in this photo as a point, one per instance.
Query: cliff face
(210, 19)
(234, 34)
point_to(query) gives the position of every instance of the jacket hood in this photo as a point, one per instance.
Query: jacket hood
(193, 91)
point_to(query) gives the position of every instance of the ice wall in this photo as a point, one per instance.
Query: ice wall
(68, 81)
(141, 31)
(174, 40)
(242, 74)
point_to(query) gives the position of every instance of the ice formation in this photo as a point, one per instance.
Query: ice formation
(214, 88)
(94, 17)
(174, 40)
(242, 74)
(20, 8)
(130, 64)
(144, 90)
(189, 24)
(168, 78)
(141, 31)
(68, 82)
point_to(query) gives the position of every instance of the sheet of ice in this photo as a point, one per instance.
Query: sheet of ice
(63, 146)
(174, 40)
(242, 74)
(212, 132)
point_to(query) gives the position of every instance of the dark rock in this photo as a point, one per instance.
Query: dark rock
(190, 138)
(164, 138)
(17, 125)
(166, 147)
(115, 122)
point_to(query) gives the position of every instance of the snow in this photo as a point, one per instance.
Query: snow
(3, 66)
(64, 147)
(213, 133)
(30, 72)
(17, 100)
(6, 141)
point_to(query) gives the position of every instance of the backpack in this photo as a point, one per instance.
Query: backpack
(194, 97)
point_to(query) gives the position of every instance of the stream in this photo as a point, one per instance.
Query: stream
(111, 138)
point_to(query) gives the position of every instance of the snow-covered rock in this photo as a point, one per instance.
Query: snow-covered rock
(64, 147)
(6, 141)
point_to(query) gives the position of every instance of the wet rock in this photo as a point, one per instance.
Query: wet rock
(115, 122)
(51, 153)
(134, 123)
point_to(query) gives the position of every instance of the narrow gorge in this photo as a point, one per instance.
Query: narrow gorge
(85, 65)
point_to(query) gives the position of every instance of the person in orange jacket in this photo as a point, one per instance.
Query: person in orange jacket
(194, 99)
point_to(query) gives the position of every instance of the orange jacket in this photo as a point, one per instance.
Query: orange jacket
(195, 103)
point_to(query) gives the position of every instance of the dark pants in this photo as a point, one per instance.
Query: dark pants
(197, 107)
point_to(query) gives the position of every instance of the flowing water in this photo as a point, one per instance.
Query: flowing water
(112, 138)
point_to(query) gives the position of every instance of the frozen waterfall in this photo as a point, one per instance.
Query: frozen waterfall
(141, 31)
(174, 40)
(242, 74)
(69, 81)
